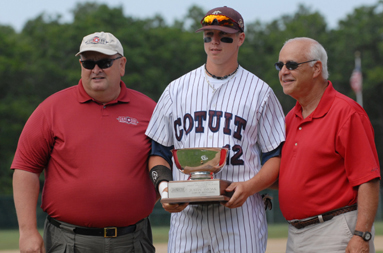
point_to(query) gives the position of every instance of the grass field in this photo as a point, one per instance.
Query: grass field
(9, 239)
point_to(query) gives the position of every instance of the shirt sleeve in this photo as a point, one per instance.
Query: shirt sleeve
(355, 143)
(271, 124)
(35, 144)
(161, 122)
(273, 153)
(162, 151)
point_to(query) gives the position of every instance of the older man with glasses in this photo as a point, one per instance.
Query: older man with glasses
(90, 142)
(329, 175)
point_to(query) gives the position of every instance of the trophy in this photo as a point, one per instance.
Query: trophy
(201, 164)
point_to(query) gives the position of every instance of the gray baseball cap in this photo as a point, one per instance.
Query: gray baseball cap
(102, 42)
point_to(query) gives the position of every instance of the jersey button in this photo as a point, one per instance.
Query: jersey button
(300, 128)
(296, 144)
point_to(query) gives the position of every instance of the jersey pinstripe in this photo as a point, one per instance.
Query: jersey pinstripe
(244, 115)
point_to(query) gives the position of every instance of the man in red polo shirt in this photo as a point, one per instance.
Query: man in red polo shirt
(90, 142)
(329, 175)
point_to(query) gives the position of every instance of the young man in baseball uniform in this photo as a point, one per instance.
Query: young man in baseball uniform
(329, 178)
(220, 104)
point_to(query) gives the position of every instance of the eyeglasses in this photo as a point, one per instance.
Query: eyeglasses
(217, 20)
(102, 64)
(290, 65)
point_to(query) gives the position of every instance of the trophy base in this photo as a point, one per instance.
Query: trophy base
(197, 200)
(206, 191)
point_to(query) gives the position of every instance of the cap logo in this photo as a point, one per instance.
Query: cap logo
(240, 23)
(97, 40)
(216, 12)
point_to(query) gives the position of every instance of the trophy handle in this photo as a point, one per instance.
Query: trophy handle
(174, 152)
(223, 157)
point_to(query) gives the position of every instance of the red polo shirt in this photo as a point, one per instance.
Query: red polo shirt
(94, 155)
(325, 157)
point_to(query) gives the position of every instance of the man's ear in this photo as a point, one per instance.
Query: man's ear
(122, 66)
(317, 69)
(241, 38)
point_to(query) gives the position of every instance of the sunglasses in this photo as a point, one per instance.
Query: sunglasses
(102, 64)
(217, 20)
(290, 65)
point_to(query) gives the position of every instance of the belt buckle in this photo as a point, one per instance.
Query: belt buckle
(109, 229)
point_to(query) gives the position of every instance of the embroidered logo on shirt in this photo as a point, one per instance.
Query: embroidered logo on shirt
(127, 120)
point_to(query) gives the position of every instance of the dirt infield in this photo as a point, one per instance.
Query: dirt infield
(277, 245)
(273, 246)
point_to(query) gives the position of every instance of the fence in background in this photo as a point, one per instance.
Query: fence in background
(159, 216)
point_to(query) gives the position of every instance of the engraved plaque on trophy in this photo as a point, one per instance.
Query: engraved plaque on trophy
(201, 164)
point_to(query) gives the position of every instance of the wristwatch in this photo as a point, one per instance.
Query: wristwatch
(365, 235)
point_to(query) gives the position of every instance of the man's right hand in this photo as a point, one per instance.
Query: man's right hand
(163, 189)
(174, 208)
(171, 208)
(26, 187)
(31, 242)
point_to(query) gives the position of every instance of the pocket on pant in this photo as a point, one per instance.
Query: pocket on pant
(146, 247)
(69, 248)
(57, 241)
(143, 243)
(349, 222)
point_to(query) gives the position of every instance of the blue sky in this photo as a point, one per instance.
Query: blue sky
(17, 12)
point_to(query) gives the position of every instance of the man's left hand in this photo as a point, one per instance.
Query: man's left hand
(357, 245)
(242, 190)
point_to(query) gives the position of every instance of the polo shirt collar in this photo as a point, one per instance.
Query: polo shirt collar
(324, 104)
(83, 97)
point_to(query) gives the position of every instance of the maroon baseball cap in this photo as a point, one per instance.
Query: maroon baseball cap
(224, 19)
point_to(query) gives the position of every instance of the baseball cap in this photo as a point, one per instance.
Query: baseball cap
(224, 19)
(101, 42)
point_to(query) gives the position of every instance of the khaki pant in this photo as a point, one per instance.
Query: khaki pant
(329, 237)
(65, 240)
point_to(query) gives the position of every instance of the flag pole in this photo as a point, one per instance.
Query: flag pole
(356, 80)
(358, 64)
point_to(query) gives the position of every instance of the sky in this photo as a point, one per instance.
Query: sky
(17, 12)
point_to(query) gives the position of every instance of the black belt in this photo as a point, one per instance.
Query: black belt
(105, 232)
(323, 217)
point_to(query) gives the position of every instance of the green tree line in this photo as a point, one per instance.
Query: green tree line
(39, 60)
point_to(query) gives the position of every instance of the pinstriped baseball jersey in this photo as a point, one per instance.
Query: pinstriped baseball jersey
(241, 113)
